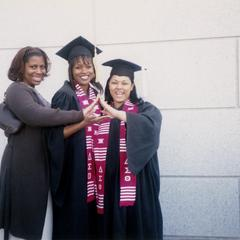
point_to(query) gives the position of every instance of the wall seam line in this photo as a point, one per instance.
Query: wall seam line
(237, 73)
(199, 176)
(239, 202)
(130, 43)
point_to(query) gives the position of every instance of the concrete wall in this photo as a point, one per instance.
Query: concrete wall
(191, 51)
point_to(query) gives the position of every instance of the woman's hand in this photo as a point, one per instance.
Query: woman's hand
(91, 108)
(90, 116)
(112, 112)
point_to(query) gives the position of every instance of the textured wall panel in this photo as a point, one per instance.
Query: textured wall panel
(141, 20)
(200, 206)
(200, 142)
(44, 23)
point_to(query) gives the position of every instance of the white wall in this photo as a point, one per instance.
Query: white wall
(191, 51)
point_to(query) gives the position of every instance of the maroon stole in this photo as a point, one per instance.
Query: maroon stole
(127, 178)
(90, 132)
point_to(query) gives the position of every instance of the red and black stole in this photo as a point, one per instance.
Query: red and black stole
(127, 178)
(90, 132)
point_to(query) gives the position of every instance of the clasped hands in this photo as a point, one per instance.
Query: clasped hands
(108, 112)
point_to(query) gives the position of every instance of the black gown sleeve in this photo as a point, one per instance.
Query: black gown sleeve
(63, 101)
(143, 130)
(56, 148)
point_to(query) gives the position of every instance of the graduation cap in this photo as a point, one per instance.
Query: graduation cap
(78, 47)
(122, 67)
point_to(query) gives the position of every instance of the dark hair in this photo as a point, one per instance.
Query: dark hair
(86, 60)
(133, 94)
(16, 70)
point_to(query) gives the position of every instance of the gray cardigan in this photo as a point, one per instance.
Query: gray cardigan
(24, 102)
(24, 176)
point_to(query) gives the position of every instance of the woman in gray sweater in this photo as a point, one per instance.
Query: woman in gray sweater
(24, 176)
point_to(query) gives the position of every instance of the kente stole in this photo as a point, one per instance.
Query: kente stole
(90, 131)
(127, 178)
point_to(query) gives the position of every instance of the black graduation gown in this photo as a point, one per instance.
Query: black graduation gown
(144, 219)
(73, 218)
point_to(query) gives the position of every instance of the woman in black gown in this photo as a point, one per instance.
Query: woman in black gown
(127, 170)
(74, 208)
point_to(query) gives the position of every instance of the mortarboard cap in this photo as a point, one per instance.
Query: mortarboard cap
(122, 67)
(78, 47)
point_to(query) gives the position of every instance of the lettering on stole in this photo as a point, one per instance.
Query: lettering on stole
(127, 178)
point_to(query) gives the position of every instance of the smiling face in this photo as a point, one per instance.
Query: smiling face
(83, 72)
(120, 88)
(34, 71)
